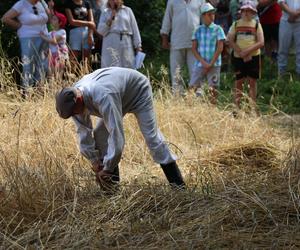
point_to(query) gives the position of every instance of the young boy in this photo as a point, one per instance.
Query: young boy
(207, 45)
(246, 38)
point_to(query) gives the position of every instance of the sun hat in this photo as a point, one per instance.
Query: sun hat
(65, 102)
(207, 7)
(248, 4)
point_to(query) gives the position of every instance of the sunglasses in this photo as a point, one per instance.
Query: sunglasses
(35, 11)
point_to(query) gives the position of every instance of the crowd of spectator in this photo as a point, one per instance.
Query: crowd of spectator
(196, 32)
(252, 28)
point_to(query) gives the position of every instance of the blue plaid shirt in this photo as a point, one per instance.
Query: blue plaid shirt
(207, 37)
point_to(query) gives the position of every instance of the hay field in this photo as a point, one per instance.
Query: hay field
(242, 176)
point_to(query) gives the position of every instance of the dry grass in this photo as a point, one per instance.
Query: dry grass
(242, 176)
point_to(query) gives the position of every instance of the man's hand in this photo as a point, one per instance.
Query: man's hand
(292, 18)
(165, 42)
(104, 179)
(97, 166)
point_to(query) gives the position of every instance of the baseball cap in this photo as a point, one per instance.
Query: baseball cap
(206, 7)
(65, 102)
(248, 4)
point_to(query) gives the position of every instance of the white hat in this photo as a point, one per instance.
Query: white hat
(248, 4)
(206, 7)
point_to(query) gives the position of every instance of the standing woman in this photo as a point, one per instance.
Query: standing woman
(29, 18)
(82, 26)
(121, 36)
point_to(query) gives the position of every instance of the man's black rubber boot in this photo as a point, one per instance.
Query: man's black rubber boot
(116, 175)
(173, 174)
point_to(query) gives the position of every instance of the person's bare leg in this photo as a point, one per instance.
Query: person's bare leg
(238, 91)
(252, 89)
(253, 93)
(213, 95)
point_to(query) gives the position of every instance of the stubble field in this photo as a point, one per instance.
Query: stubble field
(242, 176)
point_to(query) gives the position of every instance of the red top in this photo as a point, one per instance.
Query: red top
(272, 15)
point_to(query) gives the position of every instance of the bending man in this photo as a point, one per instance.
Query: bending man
(109, 94)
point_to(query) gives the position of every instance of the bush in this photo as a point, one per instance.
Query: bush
(149, 15)
(8, 36)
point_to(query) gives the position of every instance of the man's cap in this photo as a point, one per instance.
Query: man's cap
(248, 4)
(207, 7)
(65, 102)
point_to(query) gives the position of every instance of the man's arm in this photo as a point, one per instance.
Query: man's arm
(288, 10)
(167, 25)
(86, 140)
(110, 108)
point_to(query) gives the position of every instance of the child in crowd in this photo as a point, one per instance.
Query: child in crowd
(246, 38)
(52, 11)
(207, 45)
(57, 46)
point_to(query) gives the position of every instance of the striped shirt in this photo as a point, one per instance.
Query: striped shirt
(207, 38)
(245, 33)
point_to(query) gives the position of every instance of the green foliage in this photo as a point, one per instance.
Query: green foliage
(272, 92)
(149, 15)
(281, 93)
(8, 36)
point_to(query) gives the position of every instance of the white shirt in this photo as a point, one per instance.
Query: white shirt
(181, 19)
(124, 22)
(110, 93)
(32, 24)
(61, 47)
(294, 5)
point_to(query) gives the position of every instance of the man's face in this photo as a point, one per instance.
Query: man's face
(78, 109)
(79, 105)
(208, 17)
